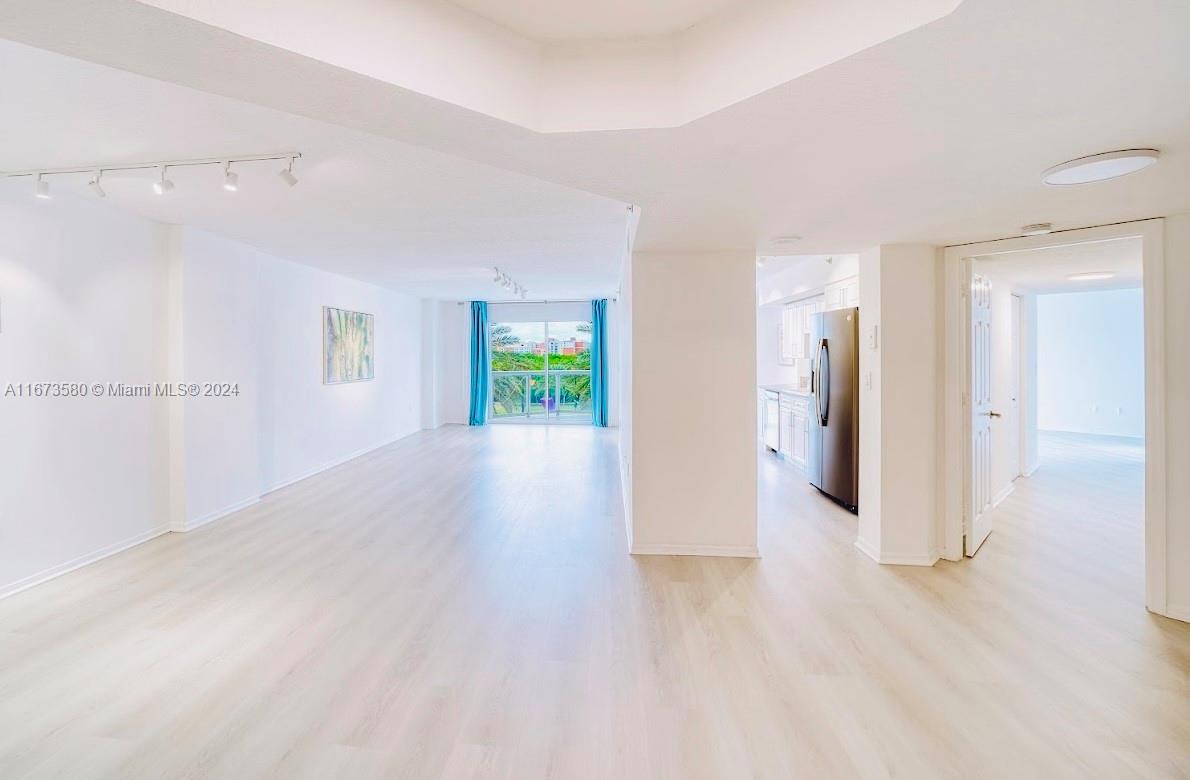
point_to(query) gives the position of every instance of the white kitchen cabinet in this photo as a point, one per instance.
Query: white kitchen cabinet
(795, 329)
(786, 427)
(789, 335)
(842, 294)
(800, 438)
(797, 430)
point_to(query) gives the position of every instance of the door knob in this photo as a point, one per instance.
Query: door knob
(993, 414)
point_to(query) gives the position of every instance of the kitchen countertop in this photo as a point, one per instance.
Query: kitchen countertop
(788, 389)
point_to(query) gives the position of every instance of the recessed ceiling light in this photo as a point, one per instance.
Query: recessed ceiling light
(1099, 167)
(1090, 276)
(1039, 229)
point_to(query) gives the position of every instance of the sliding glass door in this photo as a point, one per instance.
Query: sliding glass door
(541, 371)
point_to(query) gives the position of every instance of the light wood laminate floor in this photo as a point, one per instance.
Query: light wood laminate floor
(461, 604)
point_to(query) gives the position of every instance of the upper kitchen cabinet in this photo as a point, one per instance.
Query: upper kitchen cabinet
(843, 294)
(795, 328)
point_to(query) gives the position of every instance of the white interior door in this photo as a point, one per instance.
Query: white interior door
(979, 516)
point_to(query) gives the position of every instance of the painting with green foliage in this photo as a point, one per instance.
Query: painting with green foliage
(347, 348)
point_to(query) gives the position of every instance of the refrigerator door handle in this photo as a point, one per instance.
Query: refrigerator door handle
(824, 388)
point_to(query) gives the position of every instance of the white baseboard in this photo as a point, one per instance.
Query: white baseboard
(331, 464)
(211, 517)
(118, 547)
(1003, 494)
(894, 559)
(79, 562)
(1178, 612)
(1030, 472)
(707, 550)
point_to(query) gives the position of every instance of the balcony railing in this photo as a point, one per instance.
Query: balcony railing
(538, 395)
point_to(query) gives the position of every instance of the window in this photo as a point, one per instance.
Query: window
(541, 371)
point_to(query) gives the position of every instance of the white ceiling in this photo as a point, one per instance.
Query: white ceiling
(939, 135)
(553, 20)
(607, 71)
(387, 212)
(1046, 270)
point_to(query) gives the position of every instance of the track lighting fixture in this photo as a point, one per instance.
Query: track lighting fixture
(163, 185)
(96, 186)
(505, 281)
(286, 174)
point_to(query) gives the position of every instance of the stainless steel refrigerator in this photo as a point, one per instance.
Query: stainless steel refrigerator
(833, 456)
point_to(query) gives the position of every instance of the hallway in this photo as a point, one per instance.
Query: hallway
(461, 603)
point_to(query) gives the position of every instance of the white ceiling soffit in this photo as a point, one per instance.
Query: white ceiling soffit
(1048, 270)
(393, 214)
(572, 65)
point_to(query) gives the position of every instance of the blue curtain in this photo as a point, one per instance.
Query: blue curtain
(599, 362)
(480, 363)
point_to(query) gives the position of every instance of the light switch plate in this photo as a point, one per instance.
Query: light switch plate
(873, 340)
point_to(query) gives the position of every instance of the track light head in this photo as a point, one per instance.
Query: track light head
(41, 189)
(164, 185)
(286, 174)
(96, 186)
(231, 179)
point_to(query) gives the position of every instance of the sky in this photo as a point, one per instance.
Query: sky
(529, 332)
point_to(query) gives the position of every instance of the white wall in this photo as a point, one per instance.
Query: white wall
(306, 425)
(452, 363)
(255, 320)
(1030, 457)
(82, 299)
(899, 394)
(623, 384)
(1090, 362)
(1177, 414)
(90, 295)
(693, 459)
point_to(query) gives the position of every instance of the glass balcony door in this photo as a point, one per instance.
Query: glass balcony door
(541, 372)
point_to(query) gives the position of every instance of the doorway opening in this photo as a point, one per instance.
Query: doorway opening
(541, 372)
(1054, 410)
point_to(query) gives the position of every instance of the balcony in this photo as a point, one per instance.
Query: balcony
(538, 396)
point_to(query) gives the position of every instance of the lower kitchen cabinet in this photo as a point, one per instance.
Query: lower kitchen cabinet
(793, 428)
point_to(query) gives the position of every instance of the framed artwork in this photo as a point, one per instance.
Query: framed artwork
(348, 351)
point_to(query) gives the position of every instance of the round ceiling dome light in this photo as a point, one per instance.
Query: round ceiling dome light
(1100, 167)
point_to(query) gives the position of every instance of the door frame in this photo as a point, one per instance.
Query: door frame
(1018, 367)
(955, 428)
